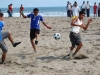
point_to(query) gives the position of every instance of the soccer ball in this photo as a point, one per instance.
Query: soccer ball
(57, 36)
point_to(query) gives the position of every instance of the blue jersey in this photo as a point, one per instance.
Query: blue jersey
(1, 25)
(35, 21)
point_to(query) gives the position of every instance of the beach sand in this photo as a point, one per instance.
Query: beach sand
(51, 58)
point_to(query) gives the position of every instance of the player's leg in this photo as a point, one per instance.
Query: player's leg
(32, 37)
(9, 36)
(37, 36)
(79, 43)
(72, 39)
(33, 44)
(3, 58)
(4, 50)
(78, 48)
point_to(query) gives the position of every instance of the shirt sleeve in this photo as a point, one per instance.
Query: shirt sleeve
(41, 18)
(29, 15)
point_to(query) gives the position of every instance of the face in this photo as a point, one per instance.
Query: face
(81, 16)
(75, 5)
(36, 13)
(1, 18)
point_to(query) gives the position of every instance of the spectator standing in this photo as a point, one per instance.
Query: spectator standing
(21, 9)
(68, 7)
(10, 10)
(95, 9)
(88, 9)
(99, 10)
(83, 7)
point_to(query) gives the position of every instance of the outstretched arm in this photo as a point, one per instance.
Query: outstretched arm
(46, 25)
(85, 27)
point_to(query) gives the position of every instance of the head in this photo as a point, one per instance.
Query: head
(75, 4)
(11, 4)
(83, 2)
(35, 11)
(21, 5)
(94, 3)
(1, 16)
(87, 2)
(68, 2)
(81, 14)
(99, 3)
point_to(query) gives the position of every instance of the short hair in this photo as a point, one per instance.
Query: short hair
(35, 9)
(1, 14)
(81, 12)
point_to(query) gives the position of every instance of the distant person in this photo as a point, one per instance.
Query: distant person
(99, 10)
(75, 10)
(95, 9)
(88, 9)
(68, 7)
(0, 10)
(10, 10)
(3, 36)
(35, 26)
(71, 12)
(75, 36)
(21, 9)
(83, 7)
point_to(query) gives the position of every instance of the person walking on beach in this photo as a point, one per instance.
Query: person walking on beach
(0, 10)
(68, 7)
(75, 36)
(75, 10)
(21, 9)
(10, 10)
(4, 35)
(95, 9)
(83, 7)
(88, 9)
(99, 10)
(35, 26)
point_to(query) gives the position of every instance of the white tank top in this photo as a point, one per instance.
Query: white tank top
(76, 29)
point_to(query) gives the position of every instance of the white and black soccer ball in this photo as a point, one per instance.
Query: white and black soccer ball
(57, 36)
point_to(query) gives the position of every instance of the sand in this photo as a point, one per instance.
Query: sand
(51, 58)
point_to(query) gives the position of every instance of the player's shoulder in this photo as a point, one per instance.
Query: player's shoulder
(1, 22)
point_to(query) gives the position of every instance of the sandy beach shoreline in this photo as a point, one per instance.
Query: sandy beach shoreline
(49, 61)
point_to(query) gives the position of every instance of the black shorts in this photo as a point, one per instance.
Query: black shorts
(33, 33)
(75, 39)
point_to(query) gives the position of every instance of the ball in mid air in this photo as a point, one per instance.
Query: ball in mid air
(57, 36)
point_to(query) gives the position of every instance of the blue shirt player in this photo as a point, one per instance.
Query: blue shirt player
(4, 35)
(35, 26)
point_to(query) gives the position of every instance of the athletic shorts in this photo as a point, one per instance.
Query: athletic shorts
(2, 43)
(75, 38)
(33, 33)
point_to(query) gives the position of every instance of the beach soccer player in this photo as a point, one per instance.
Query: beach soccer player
(21, 9)
(75, 36)
(4, 35)
(35, 26)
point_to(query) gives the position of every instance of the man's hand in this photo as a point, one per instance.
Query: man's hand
(89, 21)
(48, 27)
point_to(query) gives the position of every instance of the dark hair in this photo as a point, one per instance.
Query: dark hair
(1, 14)
(81, 12)
(35, 9)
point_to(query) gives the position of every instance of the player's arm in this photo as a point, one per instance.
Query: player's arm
(24, 16)
(73, 22)
(46, 25)
(87, 25)
(42, 20)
